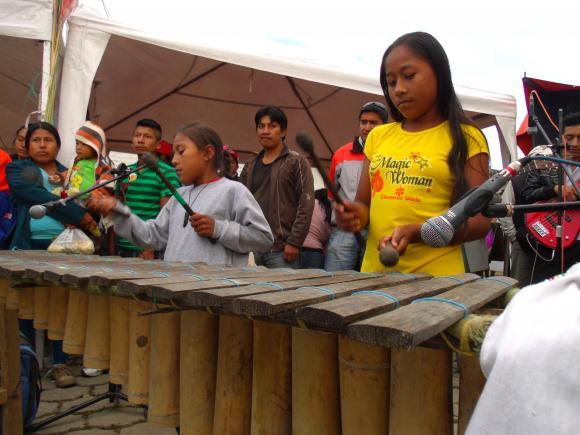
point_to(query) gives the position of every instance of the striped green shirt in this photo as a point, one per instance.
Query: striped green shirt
(143, 195)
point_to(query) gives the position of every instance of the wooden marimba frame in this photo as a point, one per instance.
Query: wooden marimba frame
(255, 351)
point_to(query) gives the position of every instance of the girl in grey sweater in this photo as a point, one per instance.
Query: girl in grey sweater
(227, 224)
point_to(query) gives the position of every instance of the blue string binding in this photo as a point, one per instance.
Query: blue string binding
(271, 284)
(501, 281)
(231, 281)
(447, 301)
(325, 290)
(162, 274)
(379, 293)
(454, 279)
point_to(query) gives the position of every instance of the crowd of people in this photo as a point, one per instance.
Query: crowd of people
(392, 177)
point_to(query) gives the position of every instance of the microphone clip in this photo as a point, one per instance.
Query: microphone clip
(122, 169)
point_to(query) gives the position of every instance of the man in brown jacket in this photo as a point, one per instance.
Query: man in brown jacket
(282, 183)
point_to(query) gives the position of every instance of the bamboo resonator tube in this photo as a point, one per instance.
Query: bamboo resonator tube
(288, 352)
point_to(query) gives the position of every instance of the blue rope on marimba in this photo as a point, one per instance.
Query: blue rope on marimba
(325, 290)
(271, 284)
(379, 293)
(447, 301)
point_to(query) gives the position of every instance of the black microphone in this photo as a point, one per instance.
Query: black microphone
(120, 169)
(532, 127)
(498, 210)
(438, 231)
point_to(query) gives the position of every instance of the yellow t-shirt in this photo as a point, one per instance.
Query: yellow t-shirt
(411, 182)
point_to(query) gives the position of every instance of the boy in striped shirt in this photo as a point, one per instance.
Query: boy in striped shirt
(144, 192)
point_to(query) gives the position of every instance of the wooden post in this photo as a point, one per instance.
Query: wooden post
(164, 370)
(272, 379)
(41, 307)
(234, 377)
(10, 365)
(197, 372)
(57, 314)
(471, 385)
(4, 287)
(139, 347)
(75, 332)
(26, 304)
(364, 387)
(12, 299)
(421, 392)
(315, 383)
(97, 342)
(119, 332)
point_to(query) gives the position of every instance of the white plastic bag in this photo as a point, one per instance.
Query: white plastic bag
(72, 241)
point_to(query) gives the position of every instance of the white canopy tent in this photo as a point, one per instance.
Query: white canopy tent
(120, 73)
(25, 28)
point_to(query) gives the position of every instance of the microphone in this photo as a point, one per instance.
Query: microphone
(532, 127)
(151, 162)
(120, 169)
(438, 231)
(38, 211)
(498, 210)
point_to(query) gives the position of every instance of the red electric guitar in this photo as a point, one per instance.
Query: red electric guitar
(542, 224)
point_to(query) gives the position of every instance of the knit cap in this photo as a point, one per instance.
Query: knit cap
(92, 135)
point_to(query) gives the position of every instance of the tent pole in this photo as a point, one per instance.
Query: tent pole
(164, 96)
(295, 90)
(45, 81)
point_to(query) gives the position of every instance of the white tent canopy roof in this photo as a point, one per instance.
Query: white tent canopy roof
(23, 25)
(128, 73)
(30, 19)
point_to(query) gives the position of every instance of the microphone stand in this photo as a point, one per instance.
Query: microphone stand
(124, 173)
(61, 202)
(507, 209)
(560, 213)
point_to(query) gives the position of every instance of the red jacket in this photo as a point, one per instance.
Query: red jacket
(4, 160)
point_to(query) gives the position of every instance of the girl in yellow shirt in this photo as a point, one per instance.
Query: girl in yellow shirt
(419, 165)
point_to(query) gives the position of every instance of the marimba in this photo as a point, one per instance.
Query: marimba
(218, 350)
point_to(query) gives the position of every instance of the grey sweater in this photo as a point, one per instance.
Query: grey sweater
(240, 226)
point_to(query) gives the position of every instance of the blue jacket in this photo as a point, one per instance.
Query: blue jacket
(26, 186)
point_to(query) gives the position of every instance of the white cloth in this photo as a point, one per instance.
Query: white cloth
(531, 358)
